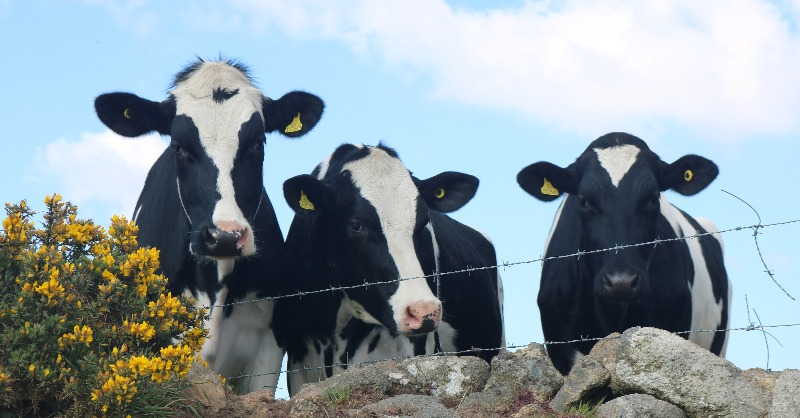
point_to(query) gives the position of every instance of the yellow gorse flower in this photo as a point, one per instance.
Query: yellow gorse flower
(51, 289)
(143, 331)
(110, 345)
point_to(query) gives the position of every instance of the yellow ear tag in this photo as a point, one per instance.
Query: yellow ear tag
(304, 202)
(295, 126)
(127, 113)
(688, 175)
(439, 193)
(548, 189)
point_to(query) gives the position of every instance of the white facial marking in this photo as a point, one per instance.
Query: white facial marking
(218, 124)
(386, 183)
(617, 160)
(706, 311)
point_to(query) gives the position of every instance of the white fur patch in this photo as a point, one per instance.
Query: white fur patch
(429, 227)
(245, 345)
(136, 213)
(218, 125)
(617, 160)
(501, 299)
(447, 337)
(362, 314)
(706, 311)
(386, 183)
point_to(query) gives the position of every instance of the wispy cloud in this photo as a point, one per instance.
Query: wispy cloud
(727, 67)
(137, 16)
(103, 169)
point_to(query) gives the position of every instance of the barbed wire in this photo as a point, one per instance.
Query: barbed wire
(507, 264)
(750, 327)
(758, 248)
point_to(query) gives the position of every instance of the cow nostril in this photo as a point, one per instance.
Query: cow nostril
(210, 235)
(634, 283)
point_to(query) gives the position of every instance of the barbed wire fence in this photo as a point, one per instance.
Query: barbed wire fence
(752, 326)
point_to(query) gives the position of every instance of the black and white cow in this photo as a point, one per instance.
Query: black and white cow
(614, 198)
(362, 218)
(204, 206)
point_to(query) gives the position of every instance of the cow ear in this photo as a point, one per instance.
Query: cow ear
(130, 115)
(546, 181)
(305, 194)
(292, 115)
(449, 191)
(688, 175)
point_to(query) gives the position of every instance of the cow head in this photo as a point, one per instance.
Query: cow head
(369, 223)
(217, 120)
(617, 186)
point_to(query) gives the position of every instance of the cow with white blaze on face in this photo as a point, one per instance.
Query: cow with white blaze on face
(615, 199)
(205, 208)
(363, 223)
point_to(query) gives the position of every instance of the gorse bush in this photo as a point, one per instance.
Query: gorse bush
(86, 327)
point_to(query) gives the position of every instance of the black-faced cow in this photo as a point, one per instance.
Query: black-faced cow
(614, 198)
(204, 206)
(363, 219)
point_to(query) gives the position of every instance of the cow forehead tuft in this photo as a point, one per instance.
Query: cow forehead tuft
(379, 168)
(211, 77)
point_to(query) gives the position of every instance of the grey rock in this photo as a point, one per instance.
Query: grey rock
(526, 373)
(786, 397)
(401, 406)
(207, 388)
(664, 365)
(605, 351)
(587, 382)
(639, 406)
(450, 379)
(766, 379)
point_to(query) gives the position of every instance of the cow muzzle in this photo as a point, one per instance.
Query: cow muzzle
(223, 243)
(621, 286)
(421, 318)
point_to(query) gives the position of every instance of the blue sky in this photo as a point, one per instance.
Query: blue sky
(461, 85)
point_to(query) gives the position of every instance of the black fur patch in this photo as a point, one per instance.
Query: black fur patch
(221, 94)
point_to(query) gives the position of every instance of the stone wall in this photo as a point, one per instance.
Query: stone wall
(644, 372)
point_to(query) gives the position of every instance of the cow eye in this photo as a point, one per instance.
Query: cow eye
(180, 151)
(258, 147)
(585, 204)
(356, 228)
(653, 203)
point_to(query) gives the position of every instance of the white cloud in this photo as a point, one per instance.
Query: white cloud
(728, 67)
(136, 15)
(101, 169)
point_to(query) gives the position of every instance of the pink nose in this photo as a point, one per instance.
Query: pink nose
(422, 317)
(230, 226)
